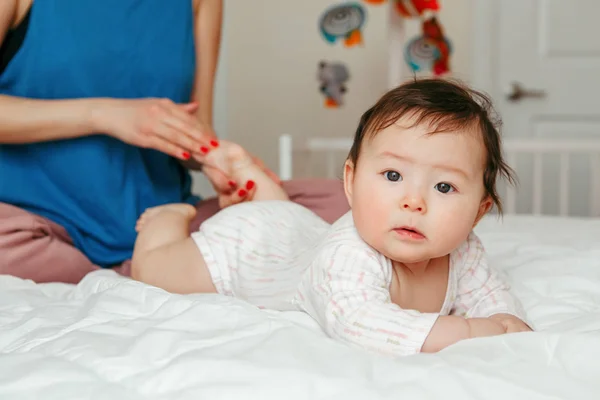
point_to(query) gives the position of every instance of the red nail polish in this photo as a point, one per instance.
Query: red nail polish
(249, 185)
(204, 149)
(242, 193)
(232, 184)
(214, 143)
(186, 155)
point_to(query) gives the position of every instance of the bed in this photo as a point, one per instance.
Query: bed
(111, 337)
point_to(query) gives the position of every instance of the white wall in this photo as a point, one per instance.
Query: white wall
(274, 50)
(267, 83)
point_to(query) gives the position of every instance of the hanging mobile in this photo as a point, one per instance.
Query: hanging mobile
(416, 8)
(429, 52)
(343, 21)
(333, 77)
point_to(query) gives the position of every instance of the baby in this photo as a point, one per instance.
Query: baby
(401, 273)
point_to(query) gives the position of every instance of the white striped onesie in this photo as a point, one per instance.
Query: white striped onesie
(281, 256)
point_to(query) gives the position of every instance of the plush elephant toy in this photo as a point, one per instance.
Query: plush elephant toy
(333, 77)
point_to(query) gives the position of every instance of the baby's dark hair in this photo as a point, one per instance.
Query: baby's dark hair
(445, 106)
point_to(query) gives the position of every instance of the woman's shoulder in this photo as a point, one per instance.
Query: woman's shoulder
(8, 16)
(12, 13)
(21, 9)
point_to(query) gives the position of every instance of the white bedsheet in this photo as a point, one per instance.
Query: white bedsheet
(110, 337)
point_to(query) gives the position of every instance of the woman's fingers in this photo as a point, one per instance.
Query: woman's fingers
(189, 125)
(239, 195)
(189, 134)
(177, 124)
(189, 108)
(177, 138)
(167, 147)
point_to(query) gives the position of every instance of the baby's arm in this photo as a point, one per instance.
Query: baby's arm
(349, 296)
(482, 292)
(451, 329)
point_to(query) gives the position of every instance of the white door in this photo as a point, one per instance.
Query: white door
(551, 50)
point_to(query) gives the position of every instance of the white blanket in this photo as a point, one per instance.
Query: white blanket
(110, 337)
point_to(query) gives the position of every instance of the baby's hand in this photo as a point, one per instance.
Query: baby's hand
(511, 323)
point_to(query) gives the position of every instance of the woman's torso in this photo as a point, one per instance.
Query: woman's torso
(96, 186)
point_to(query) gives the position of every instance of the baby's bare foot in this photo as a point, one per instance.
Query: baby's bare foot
(235, 162)
(252, 183)
(229, 157)
(186, 210)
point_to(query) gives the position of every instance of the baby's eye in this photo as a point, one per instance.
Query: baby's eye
(444, 187)
(392, 176)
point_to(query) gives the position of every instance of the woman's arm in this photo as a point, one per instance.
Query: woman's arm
(26, 121)
(209, 14)
(207, 31)
(208, 23)
(159, 124)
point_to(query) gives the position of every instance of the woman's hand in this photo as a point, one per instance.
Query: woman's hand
(226, 188)
(158, 124)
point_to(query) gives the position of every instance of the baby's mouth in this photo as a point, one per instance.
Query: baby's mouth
(409, 232)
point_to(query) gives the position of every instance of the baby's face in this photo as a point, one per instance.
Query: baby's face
(416, 196)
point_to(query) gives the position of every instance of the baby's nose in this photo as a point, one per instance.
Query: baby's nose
(414, 204)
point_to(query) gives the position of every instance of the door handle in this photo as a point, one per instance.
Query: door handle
(518, 92)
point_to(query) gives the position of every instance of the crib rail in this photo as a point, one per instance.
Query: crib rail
(572, 180)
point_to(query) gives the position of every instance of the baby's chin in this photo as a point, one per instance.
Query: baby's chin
(405, 253)
(412, 255)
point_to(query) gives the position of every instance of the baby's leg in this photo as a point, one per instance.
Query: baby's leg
(164, 253)
(235, 161)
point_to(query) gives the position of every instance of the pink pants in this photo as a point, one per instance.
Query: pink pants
(32, 247)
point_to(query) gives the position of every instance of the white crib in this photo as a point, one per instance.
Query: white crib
(572, 167)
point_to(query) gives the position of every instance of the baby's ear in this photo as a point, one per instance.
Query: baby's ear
(348, 180)
(484, 207)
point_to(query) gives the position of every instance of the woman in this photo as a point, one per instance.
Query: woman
(104, 106)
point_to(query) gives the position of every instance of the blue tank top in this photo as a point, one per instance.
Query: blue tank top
(96, 186)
